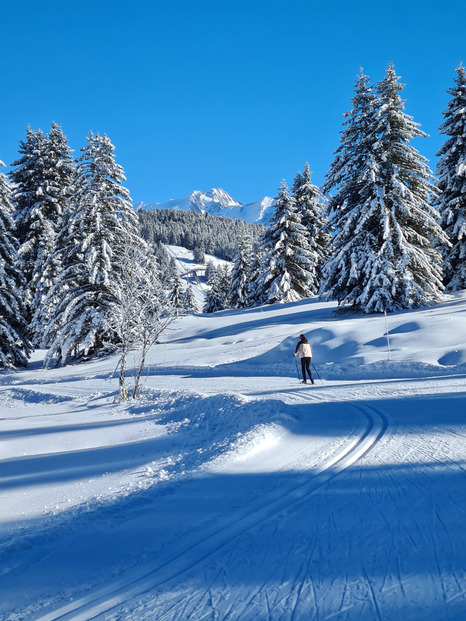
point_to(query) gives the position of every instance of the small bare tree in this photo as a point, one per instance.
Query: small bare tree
(142, 313)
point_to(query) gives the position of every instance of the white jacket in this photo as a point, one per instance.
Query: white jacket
(305, 350)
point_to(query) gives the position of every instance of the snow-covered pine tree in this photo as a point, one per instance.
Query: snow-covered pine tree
(163, 262)
(189, 301)
(385, 252)
(209, 268)
(100, 225)
(451, 170)
(225, 283)
(252, 293)
(288, 263)
(238, 293)
(199, 254)
(351, 176)
(176, 293)
(215, 298)
(58, 171)
(311, 207)
(27, 178)
(14, 344)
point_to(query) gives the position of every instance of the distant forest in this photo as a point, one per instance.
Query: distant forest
(215, 235)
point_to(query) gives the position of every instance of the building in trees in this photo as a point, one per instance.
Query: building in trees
(451, 170)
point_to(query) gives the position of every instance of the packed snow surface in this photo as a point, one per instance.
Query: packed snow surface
(230, 490)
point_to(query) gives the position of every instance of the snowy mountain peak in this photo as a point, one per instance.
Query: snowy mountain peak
(212, 202)
(217, 202)
(217, 195)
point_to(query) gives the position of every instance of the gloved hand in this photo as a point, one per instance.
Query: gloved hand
(294, 355)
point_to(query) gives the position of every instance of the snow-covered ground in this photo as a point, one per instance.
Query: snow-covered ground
(232, 491)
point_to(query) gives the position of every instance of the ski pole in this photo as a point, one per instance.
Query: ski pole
(296, 363)
(317, 373)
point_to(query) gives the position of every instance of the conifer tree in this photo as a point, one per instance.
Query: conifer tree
(42, 180)
(100, 225)
(163, 262)
(238, 293)
(310, 205)
(58, 176)
(176, 294)
(199, 254)
(287, 265)
(215, 298)
(189, 301)
(14, 345)
(28, 181)
(252, 292)
(451, 170)
(225, 283)
(385, 252)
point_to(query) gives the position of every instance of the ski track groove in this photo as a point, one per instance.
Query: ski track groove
(108, 598)
(372, 597)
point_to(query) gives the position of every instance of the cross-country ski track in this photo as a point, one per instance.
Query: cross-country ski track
(90, 607)
(230, 491)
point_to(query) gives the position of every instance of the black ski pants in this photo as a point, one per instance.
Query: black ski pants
(306, 366)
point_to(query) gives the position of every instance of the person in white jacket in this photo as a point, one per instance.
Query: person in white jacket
(304, 350)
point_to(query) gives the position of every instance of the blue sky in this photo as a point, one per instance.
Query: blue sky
(234, 94)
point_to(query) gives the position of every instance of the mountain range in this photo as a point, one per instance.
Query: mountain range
(217, 202)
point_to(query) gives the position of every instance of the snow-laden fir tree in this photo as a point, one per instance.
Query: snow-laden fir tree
(385, 252)
(288, 262)
(189, 301)
(209, 268)
(100, 225)
(311, 207)
(58, 174)
(238, 293)
(27, 178)
(451, 170)
(163, 262)
(352, 178)
(199, 254)
(176, 293)
(225, 283)
(215, 298)
(42, 184)
(14, 344)
(252, 293)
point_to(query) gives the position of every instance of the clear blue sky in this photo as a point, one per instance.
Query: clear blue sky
(236, 94)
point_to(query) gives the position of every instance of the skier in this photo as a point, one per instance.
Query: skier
(303, 348)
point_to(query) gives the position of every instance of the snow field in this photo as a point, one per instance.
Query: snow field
(230, 490)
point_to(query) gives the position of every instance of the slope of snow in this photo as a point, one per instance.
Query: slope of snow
(217, 202)
(232, 491)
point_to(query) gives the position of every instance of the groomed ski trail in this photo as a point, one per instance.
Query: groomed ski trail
(104, 600)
